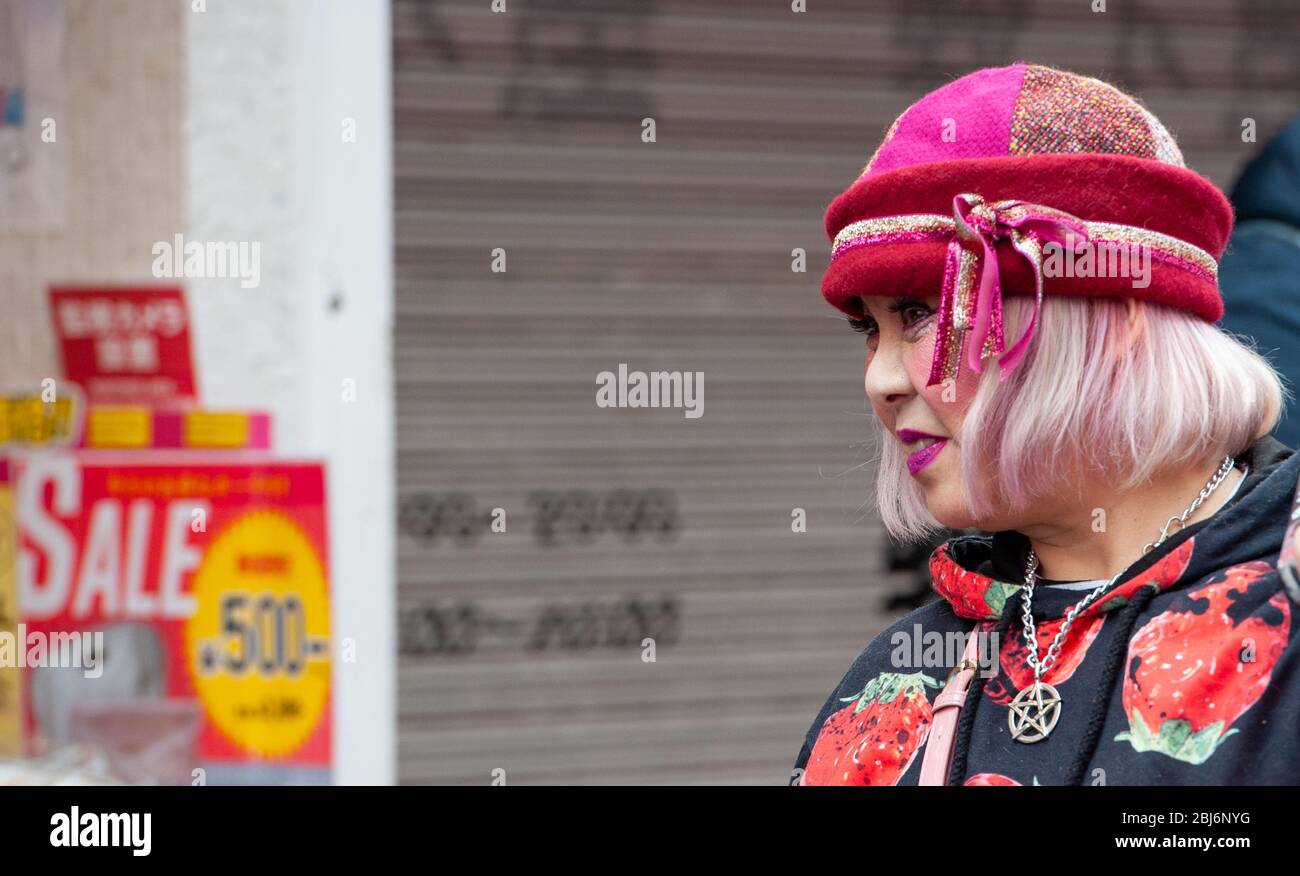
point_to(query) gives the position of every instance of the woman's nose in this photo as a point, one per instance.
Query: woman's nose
(886, 380)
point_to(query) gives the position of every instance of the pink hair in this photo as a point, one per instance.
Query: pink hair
(1094, 392)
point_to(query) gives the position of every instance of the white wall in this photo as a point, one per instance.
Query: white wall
(270, 85)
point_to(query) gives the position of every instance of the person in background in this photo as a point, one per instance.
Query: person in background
(1260, 273)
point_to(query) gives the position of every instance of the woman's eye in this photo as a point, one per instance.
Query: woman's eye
(863, 326)
(915, 312)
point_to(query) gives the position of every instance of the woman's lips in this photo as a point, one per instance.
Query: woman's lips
(923, 457)
(907, 436)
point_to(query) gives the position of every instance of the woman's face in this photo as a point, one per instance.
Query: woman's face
(926, 420)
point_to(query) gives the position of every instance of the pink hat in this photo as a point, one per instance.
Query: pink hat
(975, 178)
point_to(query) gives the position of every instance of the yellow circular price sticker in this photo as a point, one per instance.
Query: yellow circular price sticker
(258, 641)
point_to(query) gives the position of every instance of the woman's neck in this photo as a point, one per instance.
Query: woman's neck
(1104, 539)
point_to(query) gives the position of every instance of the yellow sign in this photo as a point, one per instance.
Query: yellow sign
(11, 695)
(212, 429)
(119, 427)
(32, 420)
(258, 642)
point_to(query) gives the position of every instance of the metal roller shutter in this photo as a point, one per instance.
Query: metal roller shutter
(522, 650)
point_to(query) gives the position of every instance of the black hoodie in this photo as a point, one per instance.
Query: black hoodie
(1186, 671)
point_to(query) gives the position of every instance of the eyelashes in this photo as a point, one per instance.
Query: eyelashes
(906, 307)
(912, 312)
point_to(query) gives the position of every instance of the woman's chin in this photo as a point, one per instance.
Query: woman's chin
(957, 521)
(946, 506)
(959, 517)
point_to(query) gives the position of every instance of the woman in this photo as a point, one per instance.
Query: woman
(1033, 268)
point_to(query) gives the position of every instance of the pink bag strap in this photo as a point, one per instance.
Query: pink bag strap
(937, 758)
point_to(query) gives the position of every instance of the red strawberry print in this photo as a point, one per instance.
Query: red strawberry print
(1186, 680)
(874, 739)
(972, 595)
(1014, 654)
(990, 779)
(1161, 576)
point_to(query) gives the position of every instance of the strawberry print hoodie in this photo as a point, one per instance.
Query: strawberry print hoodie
(1187, 671)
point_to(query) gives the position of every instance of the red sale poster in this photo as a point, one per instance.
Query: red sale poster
(208, 584)
(125, 345)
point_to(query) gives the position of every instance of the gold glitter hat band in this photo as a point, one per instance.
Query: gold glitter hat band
(929, 227)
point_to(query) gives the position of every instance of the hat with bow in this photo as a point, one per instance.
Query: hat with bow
(978, 180)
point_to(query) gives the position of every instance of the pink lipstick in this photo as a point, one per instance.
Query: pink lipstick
(923, 457)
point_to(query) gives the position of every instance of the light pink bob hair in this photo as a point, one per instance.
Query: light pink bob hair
(1174, 389)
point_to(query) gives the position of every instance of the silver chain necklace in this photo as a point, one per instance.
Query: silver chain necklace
(1036, 708)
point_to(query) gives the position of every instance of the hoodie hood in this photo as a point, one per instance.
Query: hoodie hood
(978, 574)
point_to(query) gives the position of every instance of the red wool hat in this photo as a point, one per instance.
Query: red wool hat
(976, 183)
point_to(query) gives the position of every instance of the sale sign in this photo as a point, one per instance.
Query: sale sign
(209, 583)
(125, 345)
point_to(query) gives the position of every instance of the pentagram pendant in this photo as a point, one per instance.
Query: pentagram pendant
(1034, 712)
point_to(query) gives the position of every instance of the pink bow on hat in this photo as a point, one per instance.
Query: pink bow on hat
(976, 307)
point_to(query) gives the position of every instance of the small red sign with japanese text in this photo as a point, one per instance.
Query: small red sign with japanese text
(125, 345)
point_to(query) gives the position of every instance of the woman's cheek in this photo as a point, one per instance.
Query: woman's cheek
(949, 398)
(917, 360)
